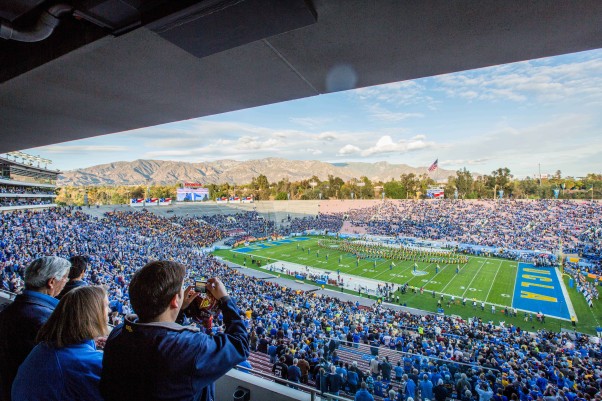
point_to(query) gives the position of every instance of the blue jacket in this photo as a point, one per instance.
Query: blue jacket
(19, 326)
(363, 395)
(160, 361)
(426, 389)
(68, 373)
(352, 377)
(411, 389)
(294, 373)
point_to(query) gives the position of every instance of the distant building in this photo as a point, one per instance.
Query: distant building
(26, 184)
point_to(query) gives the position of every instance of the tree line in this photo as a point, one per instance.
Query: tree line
(464, 185)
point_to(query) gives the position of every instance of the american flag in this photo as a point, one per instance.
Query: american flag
(434, 166)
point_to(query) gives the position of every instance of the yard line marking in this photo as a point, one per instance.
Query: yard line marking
(391, 270)
(475, 276)
(514, 287)
(453, 278)
(436, 274)
(384, 271)
(493, 282)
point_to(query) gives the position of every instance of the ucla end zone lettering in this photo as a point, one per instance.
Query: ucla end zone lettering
(538, 289)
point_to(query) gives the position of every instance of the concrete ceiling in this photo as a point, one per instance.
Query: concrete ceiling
(144, 78)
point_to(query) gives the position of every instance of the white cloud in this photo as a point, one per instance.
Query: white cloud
(314, 152)
(536, 80)
(348, 150)
(327, 136)
(522, 148)
(191, 141)
(386, 145)
(380, 113)
(311, 122)
(245, 146)
(398, 93)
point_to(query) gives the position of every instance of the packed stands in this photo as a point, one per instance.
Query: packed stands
(320, 329)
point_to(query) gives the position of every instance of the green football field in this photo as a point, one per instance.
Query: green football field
(488, 280)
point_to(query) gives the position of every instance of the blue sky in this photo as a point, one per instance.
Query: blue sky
(517, 115)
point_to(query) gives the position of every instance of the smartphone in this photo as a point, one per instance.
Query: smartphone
(200, 286)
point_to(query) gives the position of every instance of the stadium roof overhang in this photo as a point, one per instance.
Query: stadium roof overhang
(125, 64)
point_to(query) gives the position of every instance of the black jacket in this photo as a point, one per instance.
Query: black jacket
(440, 392)
(71, 284)
(19, 326)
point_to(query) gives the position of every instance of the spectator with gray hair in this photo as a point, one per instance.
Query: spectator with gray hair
(20, 322)
(391, 396)
(294, 373)
(439, 391)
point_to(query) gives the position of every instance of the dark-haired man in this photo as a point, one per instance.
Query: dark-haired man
(150, 357)
(79, 265)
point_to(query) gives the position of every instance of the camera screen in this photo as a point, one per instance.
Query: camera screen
(200, 286)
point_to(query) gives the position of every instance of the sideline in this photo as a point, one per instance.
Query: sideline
(567, 298)
(344, 296)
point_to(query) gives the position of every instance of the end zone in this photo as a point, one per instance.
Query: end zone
(540, 289)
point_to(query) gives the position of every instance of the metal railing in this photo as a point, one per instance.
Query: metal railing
(298, 386)
(367, 349)
(468, 365)
(7, 294)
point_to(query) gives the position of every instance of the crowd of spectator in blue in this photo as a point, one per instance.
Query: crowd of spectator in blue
(251, 223)
(508, 226)
(15, 189)
(474, 360)
(321, 222)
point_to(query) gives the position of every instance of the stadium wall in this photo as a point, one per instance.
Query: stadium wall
(260, 389)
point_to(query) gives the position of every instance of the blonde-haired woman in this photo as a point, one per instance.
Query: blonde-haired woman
(65, 365)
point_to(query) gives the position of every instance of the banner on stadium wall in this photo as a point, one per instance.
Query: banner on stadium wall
(192, 185)
(192, 194)
(150, 202)
(234, 199)
(435, 193)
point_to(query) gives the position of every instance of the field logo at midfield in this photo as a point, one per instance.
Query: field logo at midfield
(419, 273)
(538, 289)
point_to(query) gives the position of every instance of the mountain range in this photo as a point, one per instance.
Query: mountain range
(240, 172)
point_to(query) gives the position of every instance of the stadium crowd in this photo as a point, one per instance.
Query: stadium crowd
(508, 225)
(585, 287)
(6, 189)
(441, 356)
(322, 222)
(251, 223)
(9, 202)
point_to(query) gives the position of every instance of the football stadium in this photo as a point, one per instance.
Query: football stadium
(169, 281)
